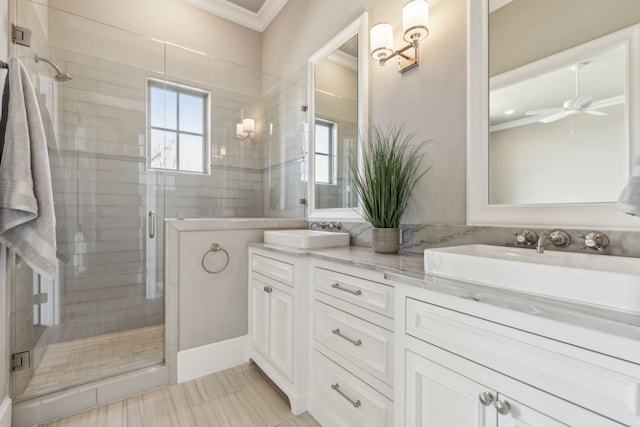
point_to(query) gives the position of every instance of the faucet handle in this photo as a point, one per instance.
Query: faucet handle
(594, 240)
(526, 237)
(560, 238)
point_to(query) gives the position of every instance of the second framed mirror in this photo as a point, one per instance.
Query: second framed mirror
(337, 115)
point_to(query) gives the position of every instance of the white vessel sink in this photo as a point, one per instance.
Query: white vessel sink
(306, 239)
(601, 280)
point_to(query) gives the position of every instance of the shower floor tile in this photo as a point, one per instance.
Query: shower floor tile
(79, 361)
(238, 397)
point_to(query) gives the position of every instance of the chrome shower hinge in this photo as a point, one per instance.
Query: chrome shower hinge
(21, 360)
(21, 36)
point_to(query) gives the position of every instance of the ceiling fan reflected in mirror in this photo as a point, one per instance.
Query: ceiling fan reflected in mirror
(578, 104)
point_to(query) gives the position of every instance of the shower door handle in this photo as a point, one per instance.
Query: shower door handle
(152, 224)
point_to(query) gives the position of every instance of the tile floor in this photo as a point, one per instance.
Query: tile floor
(238, 397)
(79, 361)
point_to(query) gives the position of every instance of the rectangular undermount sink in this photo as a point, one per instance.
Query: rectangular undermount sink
(306, 239)
(600, 280)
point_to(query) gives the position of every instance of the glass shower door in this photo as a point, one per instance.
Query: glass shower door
(103, 314)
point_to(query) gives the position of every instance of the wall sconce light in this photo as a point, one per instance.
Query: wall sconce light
(415, 21)
(246, 129)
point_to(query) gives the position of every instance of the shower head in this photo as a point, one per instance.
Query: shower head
(60, 76)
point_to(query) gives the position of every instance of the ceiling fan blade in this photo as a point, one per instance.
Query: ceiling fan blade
(557, 116)
(582, 101)
(595, 112)
(543, 111)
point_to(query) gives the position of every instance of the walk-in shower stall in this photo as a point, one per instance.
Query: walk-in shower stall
(138, 130)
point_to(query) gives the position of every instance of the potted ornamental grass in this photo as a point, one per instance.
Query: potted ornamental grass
(383, 182)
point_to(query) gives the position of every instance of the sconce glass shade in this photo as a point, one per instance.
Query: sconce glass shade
(248, 125)
(415, 20)
(381, 39)
(246, 129)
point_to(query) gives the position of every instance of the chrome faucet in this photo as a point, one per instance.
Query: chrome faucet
(558, 237)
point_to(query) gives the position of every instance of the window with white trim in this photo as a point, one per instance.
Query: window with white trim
(177, 138)
(325, 148)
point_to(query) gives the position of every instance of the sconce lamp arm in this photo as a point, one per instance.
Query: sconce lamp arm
(407, 61)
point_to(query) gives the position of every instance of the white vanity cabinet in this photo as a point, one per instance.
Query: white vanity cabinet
(278, 321)
(439, 396)
(458, 370)
(352, 350)
(272, 324)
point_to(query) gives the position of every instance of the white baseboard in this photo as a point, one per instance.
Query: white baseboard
(207, 359)
(5, 412)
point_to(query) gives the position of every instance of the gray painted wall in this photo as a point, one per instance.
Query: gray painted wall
(525, 30)
(213, 307)
(431, 99)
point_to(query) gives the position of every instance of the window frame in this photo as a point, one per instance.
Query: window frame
(180, 88)
(331, 155)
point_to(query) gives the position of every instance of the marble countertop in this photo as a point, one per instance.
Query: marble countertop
(408, 269)
(410, 264)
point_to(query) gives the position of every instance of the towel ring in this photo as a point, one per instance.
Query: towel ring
(214, 249)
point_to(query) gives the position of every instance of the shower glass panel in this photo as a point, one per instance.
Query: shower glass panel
(262, 175)
(104, 313)
(143, 131)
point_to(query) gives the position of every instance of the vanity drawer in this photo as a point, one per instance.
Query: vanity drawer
(272, 268)
(604, 384)
(359, 341)
(364, 293)
(338, 399)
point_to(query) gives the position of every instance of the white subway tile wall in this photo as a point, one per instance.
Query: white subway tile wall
(103, 190)
(112, 272)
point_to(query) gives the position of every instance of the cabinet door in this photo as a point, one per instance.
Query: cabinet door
(520, 415)
(281, 332)
(437, 396)
(567, 414)
(259, 316)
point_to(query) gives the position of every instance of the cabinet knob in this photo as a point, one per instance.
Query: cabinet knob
(485, 398)
(502, 406)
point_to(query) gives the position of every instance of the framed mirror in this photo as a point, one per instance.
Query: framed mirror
(337, 115)
(553, 124)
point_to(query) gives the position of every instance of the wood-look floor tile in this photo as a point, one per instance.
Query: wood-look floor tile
(302, 420)
(229, 380)
(206, 415)
(269, 406)
(208, 388)
(113, 415)
(180, 406)
(78, 361)
(203, 402)
(159, 409)
(234, 411)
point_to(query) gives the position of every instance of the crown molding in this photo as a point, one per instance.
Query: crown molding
(256, 21)
(497, 4)
(344, 60)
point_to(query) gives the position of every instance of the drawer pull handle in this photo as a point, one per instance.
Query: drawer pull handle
(502, 406)
(338, 287)
(355, 403)
(267, 289)
(351, 340)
